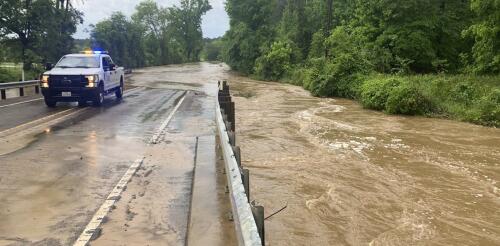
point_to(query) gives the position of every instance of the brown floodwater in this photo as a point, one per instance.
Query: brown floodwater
(352, 176)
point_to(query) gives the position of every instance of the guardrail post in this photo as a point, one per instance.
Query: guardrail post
(245, 177)
(232, 138)
(258, 214)
(237, 154)
(37, 89)
(231, 116)
(3, 96)
(21, 91)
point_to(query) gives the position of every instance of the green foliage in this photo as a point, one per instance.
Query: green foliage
(375, 92)
(486, 34)
(406, 99)
(487, 109)
(212, 50)
(7, 75)
(274, 63)
(469, 98)
(122, 38)
(155, 35)
(334, 48)
(186, 21)
(394, 95)
(251, 29)
(341, 73)
(37, 31)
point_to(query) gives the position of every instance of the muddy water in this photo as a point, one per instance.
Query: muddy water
(351, 176)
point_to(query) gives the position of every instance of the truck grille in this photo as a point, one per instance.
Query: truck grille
(67, 81)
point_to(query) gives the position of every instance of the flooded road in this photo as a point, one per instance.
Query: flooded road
(352, 176)
(57, 167)
(349, 176)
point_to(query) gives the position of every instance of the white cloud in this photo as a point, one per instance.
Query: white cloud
(215, 22)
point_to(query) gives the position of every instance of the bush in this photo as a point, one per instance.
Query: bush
(375, 92)
(273, 64)
(7, 75)
(339, 76)
(407, 99)
(486, 109)
(394, 95)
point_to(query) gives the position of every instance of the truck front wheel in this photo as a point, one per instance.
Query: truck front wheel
(119, 90)
(51, 103)
(99, 97)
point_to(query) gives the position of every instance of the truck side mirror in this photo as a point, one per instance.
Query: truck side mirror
(112, 67)
(48, 66)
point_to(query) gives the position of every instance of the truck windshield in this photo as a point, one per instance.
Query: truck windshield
(78, 62)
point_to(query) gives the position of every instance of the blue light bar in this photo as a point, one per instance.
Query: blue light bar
(96, 52)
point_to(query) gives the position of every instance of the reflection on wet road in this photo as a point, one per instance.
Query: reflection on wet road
(55, 173)
(355, 177)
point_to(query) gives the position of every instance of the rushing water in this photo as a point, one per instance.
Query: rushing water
(352, 176)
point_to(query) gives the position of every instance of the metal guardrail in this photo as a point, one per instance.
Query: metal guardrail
(248, 218)
(18, 85)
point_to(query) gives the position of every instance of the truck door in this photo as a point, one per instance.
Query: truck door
(115, 77)
(107, 73)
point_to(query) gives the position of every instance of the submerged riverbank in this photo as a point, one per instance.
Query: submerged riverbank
(474, 99)
(353, 176)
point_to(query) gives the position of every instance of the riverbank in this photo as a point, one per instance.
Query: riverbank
(468, 98)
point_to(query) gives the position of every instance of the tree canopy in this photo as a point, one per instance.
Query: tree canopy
(154, 35)
(417, 36)
(37, 30)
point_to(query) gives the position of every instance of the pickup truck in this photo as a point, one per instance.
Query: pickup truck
(81, 78)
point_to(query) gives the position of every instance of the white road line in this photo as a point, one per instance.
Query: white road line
(36, 121)
(156, 136)
(23, 102)
(92, 229)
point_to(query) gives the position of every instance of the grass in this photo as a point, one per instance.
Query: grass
(11, 72)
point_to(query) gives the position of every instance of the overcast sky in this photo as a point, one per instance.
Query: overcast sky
(215, 22)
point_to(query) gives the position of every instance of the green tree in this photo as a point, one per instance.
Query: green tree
(155, 23)
(486, 34)
(251, 28)
(187, 22)
(41, 29)
(212, 50)
(122, 38)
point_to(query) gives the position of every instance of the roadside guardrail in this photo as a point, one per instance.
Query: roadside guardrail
(21, 86)
(248, 218)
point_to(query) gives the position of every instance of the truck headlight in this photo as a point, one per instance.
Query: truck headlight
(45, 81)
(92, 80)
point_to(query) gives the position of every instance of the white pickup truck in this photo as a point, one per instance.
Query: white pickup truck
(84, 77)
